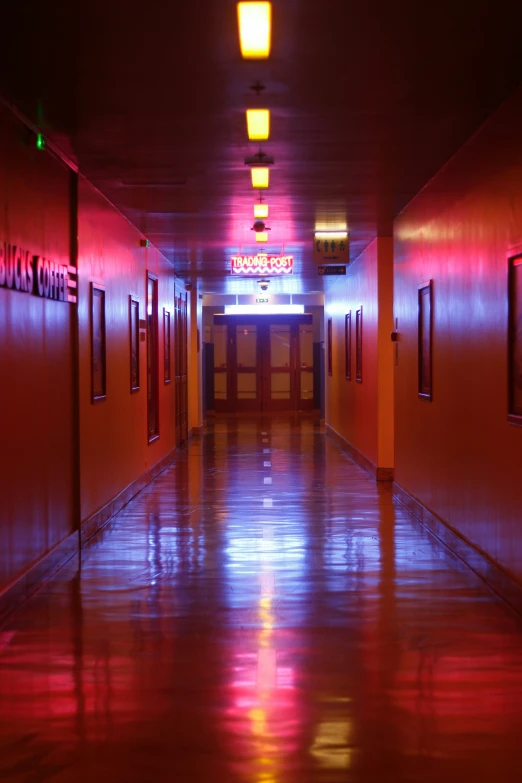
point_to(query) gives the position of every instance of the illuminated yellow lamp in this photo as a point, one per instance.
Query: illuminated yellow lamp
(258, 124)
(262, 236)
(259, 177)
(260, 210)
(255, 28)
(331, 234)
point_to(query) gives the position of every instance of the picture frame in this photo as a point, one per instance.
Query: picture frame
(358, 344)
(329, 346)
(348, 346)
(134, 339)
(515, 339)
(98, 344)
(425, 339)
(167, 373)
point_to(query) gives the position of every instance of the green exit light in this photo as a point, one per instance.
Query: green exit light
(40, 141)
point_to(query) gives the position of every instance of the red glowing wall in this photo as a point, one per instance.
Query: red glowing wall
(113, 433)
(457, 453)
(53, 477)
(36, 361)
(361, 412)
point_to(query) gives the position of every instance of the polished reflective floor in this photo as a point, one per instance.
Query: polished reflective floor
(264, 612)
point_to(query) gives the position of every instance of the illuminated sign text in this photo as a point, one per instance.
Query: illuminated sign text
(262, 265)
(31, 274)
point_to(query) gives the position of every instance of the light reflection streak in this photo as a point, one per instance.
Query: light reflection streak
(263, 686)
(331, 747)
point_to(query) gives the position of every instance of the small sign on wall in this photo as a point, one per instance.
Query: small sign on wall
(331, 270)
(331, 248)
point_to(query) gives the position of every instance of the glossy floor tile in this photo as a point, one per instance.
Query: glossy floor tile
(225, 628)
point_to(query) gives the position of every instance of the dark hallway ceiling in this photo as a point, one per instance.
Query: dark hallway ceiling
(368, 101)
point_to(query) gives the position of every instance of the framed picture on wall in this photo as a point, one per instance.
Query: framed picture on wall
(134, 332)
(98, 344)
(348, 346)
(425, 329)
(515, 341)
(329, 346)
(358, 345)
(166, 346)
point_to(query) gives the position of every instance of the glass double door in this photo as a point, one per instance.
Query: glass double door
(262, 364)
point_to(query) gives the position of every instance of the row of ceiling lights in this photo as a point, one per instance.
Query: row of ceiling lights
(255, 33)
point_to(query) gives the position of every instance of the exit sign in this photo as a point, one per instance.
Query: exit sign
(261, 301)
(331, 270)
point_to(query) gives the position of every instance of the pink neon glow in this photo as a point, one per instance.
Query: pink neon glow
(262, 265)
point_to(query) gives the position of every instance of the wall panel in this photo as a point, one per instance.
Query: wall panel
(36, 361)
(457, 454)
(362, 412)
(114, 444)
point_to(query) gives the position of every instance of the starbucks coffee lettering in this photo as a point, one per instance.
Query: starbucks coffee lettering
(22, 271)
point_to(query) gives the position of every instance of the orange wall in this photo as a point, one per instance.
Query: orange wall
(362, 412)
(195, 398)
(457, 454)
(36, 361)
(113, 434)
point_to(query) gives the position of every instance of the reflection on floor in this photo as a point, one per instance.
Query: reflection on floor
(226, 629)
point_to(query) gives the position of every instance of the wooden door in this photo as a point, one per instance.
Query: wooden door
(263, 363)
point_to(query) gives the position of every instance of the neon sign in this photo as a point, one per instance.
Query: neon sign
(262, 264)
(22, 271)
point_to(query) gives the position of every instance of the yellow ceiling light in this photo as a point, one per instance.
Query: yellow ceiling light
(331, 234)
(259, 177)
(260, 210)
(262, 236)
(258, 124)
(255, 26)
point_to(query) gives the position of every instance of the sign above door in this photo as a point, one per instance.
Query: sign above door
(261, 264)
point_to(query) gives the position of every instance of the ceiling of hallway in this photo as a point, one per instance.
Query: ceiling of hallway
(368, 100)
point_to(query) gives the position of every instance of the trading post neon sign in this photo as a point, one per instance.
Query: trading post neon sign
(262, 265)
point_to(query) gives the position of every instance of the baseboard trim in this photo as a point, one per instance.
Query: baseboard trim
(23, 587)
(93, 524)
(500, 581)
(379, 474)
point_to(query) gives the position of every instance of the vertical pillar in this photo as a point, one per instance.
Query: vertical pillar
(385, 362)
(195, 390)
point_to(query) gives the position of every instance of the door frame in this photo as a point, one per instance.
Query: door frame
(263, 323)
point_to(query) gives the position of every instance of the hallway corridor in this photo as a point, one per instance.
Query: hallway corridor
(263, 612)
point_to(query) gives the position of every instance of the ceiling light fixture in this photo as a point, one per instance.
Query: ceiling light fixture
(260, 210)
(258, 226)
(331, 234)
(255, 28)
(258, 124)
(259, 159)
(266, 309)
(257, 87)
(260, 177)
(262, 236)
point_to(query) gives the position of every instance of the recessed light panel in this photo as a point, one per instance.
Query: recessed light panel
(331, 234)
(260, 210)
(258, 124)
(259, 177)
(262, 236)
(266, 309)
(255, 27)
